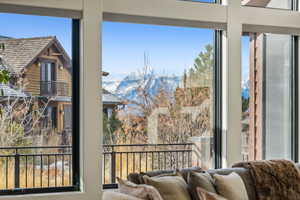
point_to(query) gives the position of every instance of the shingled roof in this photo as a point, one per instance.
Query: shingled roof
(20, 53)
(109, 98)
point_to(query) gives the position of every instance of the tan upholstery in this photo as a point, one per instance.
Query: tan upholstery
(244, 173)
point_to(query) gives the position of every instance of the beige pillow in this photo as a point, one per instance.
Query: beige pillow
(205, 195)
(231, 186)
(146, 192)
(202, 180)
(169, 187)
(109, 195)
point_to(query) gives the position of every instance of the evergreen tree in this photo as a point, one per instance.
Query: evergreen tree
(111, 125)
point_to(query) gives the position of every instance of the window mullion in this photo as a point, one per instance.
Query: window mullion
(232, 92)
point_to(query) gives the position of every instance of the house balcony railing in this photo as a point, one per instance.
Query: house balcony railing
(54, 88)
(35, 167)
(51, 166)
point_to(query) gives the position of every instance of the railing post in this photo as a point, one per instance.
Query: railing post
(113, 166)
(17, 169)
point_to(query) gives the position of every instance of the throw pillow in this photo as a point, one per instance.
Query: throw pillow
(146, 192)
(231, 186)
(203, 180)
(205, 195)
(169, 187)
(108, 195)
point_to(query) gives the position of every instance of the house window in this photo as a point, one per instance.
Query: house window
(159, 97)
(48, 78)
(269, 96)
(39, 105)
(50, 119)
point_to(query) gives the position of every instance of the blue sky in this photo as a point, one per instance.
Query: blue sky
(169, 49)
(24, 26)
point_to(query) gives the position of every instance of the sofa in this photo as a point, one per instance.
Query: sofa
(244, 174)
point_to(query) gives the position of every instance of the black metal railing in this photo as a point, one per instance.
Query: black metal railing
(51, 166)
(121, 160)
(35, 167)
(54, 88)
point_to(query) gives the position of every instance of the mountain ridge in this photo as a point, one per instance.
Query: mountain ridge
(127, 87)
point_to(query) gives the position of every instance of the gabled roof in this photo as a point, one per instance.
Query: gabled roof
(20, 53)
(109, 98)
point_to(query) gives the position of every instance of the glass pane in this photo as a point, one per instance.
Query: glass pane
(35, 102)
(281, 4)
(157, 98)
(245, 98)
(267, 96)
(277, 98)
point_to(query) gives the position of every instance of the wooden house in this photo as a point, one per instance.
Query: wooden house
(41, 67)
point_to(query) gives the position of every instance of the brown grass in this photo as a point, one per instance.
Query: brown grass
(39, 179)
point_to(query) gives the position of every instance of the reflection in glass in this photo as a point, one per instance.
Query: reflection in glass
(281, 4)
(277, 97)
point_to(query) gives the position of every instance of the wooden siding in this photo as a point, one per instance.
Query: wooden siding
(64, 75)
(32, 80)
(33, 74)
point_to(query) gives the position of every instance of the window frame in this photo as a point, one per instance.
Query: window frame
(230, 16)
(75, 124)
(216, 103)
(294, 90)
(218, 99)
(87, 13)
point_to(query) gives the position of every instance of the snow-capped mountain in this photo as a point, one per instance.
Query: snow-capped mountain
(127, 88)
(111, 86)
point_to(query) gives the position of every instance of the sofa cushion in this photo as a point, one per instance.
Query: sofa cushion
(113, 195)
(169, 187)
(244, 174)
(142, 191)
(231, 186)
(202, 180)
(205, 195)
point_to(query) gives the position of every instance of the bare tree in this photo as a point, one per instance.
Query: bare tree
(21, 114)
(21, 117)
(183, 113)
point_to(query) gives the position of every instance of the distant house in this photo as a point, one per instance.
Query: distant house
(43, 68)
(110, 102)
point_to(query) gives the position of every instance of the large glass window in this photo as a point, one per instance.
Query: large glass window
(36, 81)
(268, 96)
(158, 98)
